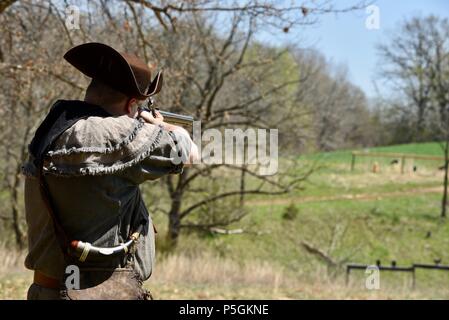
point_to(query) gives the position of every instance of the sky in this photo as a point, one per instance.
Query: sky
(344, 38)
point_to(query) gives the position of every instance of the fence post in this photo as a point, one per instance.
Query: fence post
(402, 164)
(348, 269)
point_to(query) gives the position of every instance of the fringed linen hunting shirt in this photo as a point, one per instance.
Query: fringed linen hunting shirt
(93, 171)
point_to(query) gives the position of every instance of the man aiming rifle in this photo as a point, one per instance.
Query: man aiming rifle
(86, 162)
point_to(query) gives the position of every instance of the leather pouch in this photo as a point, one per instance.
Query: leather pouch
(108, 284)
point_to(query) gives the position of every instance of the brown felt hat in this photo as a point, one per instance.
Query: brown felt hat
(124, 72)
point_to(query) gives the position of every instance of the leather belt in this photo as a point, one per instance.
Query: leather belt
(45, 281)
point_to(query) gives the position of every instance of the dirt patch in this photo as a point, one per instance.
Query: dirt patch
(363, 196)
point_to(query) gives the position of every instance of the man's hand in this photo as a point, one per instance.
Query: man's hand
(159, 120)
(148, 117)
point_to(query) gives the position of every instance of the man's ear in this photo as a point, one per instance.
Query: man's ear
(129, 105)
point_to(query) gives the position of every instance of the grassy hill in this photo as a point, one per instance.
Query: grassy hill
(347, 216)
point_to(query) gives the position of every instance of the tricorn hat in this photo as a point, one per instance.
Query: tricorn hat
(122, 71)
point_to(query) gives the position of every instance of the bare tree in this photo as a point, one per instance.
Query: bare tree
(283, 15)
(338, 110)
(28, 88)
(215, 70)
(437, 57)
(226, 80)
(226, 90)
(406, 69)
(420, 60)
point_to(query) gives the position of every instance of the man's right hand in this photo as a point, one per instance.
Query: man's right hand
(159, 120)
(148, 117)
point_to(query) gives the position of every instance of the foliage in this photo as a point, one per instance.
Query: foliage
(290, 212)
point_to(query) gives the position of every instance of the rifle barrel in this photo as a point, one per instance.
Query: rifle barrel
(177, 119)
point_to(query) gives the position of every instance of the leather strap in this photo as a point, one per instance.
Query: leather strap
(45, 281)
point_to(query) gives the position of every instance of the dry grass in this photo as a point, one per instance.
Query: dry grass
(207, 268)
(386, 176)
(14, 278)
(12, 260)
(208, 276)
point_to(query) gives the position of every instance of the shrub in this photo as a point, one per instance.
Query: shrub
(290, 212)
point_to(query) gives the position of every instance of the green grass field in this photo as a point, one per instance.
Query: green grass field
(346, 216)
(428, 148)
(358, 217)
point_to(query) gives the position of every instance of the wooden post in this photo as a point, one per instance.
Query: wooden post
(402, 164)
(348, 270)
(445, 183)
(353, 161)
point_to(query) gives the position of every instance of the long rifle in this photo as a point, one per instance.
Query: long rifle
(170, 117)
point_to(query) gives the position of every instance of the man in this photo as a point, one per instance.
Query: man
(87, 160)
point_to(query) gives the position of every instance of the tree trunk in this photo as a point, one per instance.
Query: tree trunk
(19, 235)
(419, 134)
(446, 179)
(242, 187)
(174, 220)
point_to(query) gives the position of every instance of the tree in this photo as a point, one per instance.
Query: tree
(405, 67)
(337, 110)
(26, 93)
(419, 61)
(437, 57)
